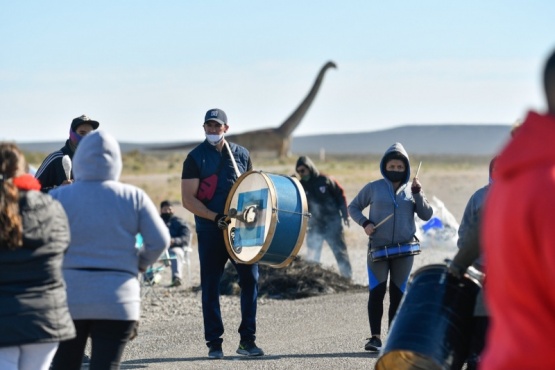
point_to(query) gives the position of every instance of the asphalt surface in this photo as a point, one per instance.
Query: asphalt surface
(325, 332)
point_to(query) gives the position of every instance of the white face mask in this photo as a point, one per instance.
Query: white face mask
(214, 139)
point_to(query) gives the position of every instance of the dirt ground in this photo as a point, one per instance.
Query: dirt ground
(325, 331)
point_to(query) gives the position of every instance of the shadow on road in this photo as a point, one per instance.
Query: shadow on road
(136, 364)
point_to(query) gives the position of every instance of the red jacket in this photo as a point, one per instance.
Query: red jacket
(519, 243)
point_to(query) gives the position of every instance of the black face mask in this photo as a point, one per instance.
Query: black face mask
(166, 216)
(395, 176)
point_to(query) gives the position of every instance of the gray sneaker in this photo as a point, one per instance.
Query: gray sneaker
(215, 351)
(374, 344)
(249, 348)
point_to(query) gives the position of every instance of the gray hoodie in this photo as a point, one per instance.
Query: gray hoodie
(379, 196)
(102, 264)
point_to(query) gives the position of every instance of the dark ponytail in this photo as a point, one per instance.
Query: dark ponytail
(11, 232)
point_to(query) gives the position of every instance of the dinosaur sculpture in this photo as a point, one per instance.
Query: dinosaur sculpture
(278, 139)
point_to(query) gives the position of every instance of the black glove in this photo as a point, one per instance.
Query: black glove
(222, 221)
(416, 187)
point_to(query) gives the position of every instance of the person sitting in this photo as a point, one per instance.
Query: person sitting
(180, 243)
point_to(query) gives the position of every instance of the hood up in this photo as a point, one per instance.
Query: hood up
(397, 147)
(307, 162)
(97, 158)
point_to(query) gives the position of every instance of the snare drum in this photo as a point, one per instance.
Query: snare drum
(269, 217)
(432, 327)
(388, 252)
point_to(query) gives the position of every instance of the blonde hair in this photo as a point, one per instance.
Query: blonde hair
(11, 232)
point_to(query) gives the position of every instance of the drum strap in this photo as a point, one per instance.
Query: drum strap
(232, 160)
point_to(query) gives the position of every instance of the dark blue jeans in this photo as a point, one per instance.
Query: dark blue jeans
(332, 233)
(213, 257)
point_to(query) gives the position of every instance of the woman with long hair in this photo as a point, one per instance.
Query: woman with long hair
(34, 235)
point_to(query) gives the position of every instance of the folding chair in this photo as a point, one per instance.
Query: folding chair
(153, 275)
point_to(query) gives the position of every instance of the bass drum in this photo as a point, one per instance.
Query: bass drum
(269, 217)
(432, 327)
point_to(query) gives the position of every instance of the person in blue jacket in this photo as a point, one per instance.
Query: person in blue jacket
(209, 172)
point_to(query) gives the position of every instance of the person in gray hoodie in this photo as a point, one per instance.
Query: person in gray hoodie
(102, 264)
(391, 228)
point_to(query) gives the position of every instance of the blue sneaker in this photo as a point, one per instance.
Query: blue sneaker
(249, 348)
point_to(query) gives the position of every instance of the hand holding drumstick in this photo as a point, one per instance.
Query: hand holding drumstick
(370, 227)
(416, 187)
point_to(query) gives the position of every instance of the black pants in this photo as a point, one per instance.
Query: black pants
(108, 339)
(213, 256)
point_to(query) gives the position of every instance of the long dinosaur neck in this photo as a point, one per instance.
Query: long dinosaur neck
(295, 118)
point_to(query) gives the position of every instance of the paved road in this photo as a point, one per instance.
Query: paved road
(325, 332)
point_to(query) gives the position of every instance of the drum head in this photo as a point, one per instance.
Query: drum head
(252, 199)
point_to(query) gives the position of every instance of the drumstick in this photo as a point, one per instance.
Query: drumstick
(382, 221)
(418, 170)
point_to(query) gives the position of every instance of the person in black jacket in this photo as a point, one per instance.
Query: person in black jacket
(51, 172)
(34, 236)
(180, 245)
(328, 206)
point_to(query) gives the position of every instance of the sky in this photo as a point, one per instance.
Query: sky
(149, 70)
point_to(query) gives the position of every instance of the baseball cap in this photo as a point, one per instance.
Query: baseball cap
(81, 120)
(217, 115)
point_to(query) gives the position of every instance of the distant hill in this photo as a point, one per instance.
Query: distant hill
(422, 140)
